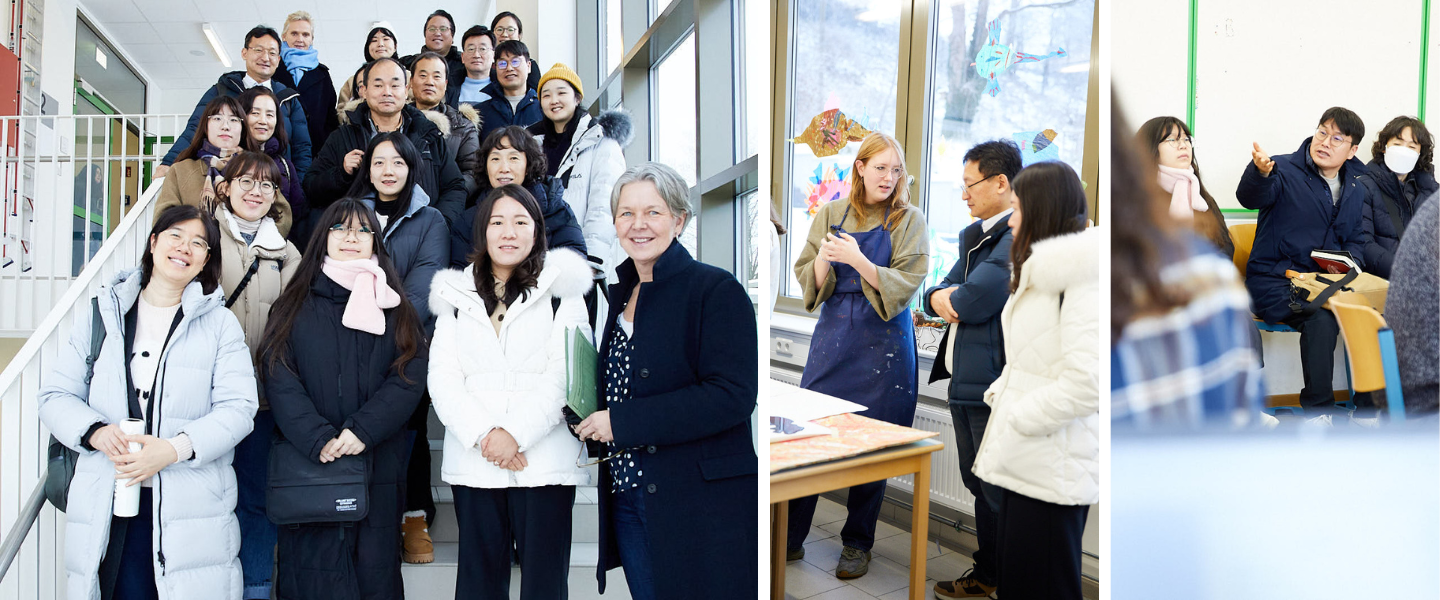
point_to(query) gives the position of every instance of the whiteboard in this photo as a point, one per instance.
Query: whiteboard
(1267, 70)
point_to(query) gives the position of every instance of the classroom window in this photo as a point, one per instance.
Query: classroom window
(846, 55)
(1035, 98)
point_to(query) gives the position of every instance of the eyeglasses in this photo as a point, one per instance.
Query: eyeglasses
(514, 62)
(230, 120)
(174, 238)
(581, 462)
(1176, 142)
(979, 182)
(339, 231)
(247, 183)
(506, 30)
(896, 171)
(1335, 140)
(265, 52)
(477, 50)
(440, 29)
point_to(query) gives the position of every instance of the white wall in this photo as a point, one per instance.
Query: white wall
(551, 39)
(1267, 70)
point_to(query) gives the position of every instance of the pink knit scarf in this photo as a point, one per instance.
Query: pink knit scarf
(369, 294)
(1184, 188)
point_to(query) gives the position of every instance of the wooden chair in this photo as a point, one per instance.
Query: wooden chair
(1370, 350)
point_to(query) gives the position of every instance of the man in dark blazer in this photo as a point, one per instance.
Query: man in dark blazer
(972, 353)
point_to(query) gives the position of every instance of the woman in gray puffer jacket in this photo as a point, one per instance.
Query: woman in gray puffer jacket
(166, 332)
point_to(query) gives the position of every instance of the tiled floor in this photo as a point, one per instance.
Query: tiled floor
(814, 577)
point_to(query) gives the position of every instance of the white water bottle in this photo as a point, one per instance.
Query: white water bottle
(127, 497)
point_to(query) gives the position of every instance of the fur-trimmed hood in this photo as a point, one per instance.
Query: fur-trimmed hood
(565, 275)
(616, 125)
(1058, 263)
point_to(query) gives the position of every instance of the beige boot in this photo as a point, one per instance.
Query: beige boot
(416, 547)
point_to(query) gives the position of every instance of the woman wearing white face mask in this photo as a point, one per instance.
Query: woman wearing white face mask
(1402, 175)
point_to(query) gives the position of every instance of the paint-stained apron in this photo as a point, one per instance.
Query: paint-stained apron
(856, 355)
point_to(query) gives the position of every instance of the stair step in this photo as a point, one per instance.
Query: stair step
(436, 581)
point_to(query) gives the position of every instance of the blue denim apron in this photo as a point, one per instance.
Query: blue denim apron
(857, 356)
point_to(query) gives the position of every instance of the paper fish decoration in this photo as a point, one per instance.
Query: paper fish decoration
(829, 131)
(994, 58)
(828, 184)
(1037, 146)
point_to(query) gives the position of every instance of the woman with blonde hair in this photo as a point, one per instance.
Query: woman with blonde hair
(863, 261)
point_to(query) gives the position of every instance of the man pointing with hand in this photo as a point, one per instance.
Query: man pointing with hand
(1308, 200)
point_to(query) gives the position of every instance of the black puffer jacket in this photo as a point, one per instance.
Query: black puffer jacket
(343, 379)
(1390, 201)
(981, 282)
(327, 181)
(561, 228)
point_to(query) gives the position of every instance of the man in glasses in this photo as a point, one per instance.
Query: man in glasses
(506, 26)
(972, 353)
(1308, 200)
(439, 38)
(518, 104)
(428, 89)
(477, 48)
(261, 54)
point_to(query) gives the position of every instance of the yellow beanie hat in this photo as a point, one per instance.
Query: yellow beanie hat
(563, 73)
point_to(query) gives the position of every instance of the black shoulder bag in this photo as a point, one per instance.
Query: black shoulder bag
(61, 465)
(302, 490)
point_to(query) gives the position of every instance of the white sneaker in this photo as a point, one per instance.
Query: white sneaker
(1320, 421)
(1268, 421)
(1366, 422)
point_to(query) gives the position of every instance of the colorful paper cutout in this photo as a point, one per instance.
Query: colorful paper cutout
(994, 58)
(827, 184)
(1037, 146)
(829, 131)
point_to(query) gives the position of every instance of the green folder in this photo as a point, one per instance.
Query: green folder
(580, 361)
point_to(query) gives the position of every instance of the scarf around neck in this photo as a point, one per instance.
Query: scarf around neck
(215, 160)
(299, 61)
(369, 293)
(1184, 188)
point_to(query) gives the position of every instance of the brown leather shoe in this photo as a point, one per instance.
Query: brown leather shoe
(416, 547)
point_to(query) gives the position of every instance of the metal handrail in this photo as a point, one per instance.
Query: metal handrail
(16, 538)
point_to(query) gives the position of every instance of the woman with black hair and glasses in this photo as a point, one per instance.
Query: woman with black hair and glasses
(176, 360)
(1168, 141)
(498, 379)
(343, 362)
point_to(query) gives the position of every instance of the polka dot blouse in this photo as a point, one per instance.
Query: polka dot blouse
(625, 470)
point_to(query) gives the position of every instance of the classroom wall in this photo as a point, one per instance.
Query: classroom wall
(1265, 71)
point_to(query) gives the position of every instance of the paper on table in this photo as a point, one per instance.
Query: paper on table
(784, 429)
(799, 404)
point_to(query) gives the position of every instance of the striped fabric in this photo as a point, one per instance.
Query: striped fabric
(1194, 366)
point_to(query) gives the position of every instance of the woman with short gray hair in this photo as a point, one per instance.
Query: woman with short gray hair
(674, 407)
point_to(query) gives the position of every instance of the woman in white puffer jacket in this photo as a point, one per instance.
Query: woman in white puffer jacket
(1041, 445)
(498, 380)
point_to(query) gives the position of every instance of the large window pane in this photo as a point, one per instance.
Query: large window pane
(756, 74)
(1035, 96)
(614, 38)
(847, 54)
(675, 117)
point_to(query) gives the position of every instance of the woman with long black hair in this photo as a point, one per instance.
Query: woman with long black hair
(343, 362)
(1042, 443)
(265, 133)
(1168, 142)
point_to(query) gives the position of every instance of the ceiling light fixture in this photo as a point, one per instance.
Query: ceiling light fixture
(215, 44)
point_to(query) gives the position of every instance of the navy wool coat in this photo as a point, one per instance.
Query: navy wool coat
(1297, 216)
(695, 368)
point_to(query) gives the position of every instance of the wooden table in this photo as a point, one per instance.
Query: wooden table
(837, 474)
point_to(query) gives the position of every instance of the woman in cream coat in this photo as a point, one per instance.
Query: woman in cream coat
(1041, 445)
(498, 381)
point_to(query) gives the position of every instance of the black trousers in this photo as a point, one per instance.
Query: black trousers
(1039, 546)
(533, 521)
(1319, 333)
(418, 494)
(128, 570)
(970, 424)
(354, 561)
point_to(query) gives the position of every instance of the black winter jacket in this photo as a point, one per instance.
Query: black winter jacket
(317, 97)
(561, 228)
(1297, 216)
(981, 279)
(326, 181)
(695, 371)
(1390, 202)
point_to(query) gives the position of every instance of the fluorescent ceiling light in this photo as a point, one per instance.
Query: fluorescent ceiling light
(215, 44)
